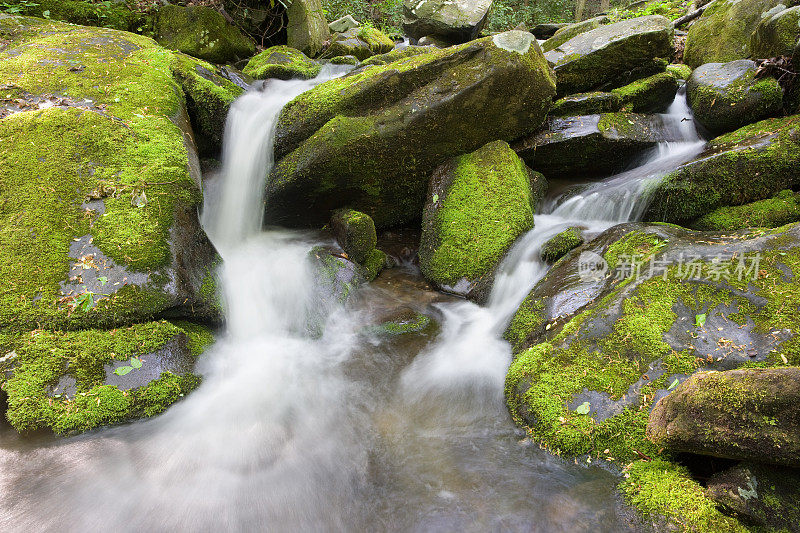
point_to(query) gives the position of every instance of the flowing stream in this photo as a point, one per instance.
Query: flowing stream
(345, 431)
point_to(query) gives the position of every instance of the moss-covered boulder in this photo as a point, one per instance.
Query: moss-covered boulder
(781, 209)
(727, 96)
(74, 381)
(116, 15)
(561, 244)
(749, 164)
(648, 95)
(209, 96)
(590, 145)
(307, 29)
(572, 30)
(283, 63)
(98, 223)
(371, 140)
(596, 348)
(342, 24)
(723, 32)
(478, 204)
(776, 35)
(456, 22)
(586, 104)
(336, 277)
(362, 42)
(201, 32)
(355, 232)
(591, 59)
(761, 495)
(748, 414)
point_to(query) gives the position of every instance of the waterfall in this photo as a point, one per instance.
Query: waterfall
(285, 433)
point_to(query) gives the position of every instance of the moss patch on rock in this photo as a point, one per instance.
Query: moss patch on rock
(648, 95)
(201, 32)
(283, 63)
(59, 379)
(87, 13)
(477, 206)
(774, 212)
(561, 244)
(586, 104)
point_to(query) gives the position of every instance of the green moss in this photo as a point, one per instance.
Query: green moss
(649, 94)
(414, 324)
(661, 488)
(637, 244)
(201, 32)
(355, 232)
(44, 357)
(568, 32)
(87, 13)
(777, 211)
(282, 62)
(526, 321)
(377, 41)
(561, 244)
(123, 142)
(586, 104)
(156, 397)
(486, 204)
(374, 263)
(679, 71)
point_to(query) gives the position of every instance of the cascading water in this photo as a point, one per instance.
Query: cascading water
(291, 432)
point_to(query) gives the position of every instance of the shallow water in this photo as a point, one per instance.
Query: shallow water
(347, 431)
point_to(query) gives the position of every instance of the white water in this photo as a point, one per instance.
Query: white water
(282, 437)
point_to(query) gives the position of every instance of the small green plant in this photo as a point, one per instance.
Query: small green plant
(18, 7)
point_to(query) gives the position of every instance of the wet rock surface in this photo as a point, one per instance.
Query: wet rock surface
(455, 21)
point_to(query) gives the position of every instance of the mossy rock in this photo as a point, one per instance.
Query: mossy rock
(70, 382)
(750, 414)
(586, 104)
(679, 71)
(776, 35)
(590, 145)
(572, 30)
(395, 55)
(478, 204)
(307, 28)
(561, 244)
(362, 42)
(648, 95)
(781, 209)
(201, 32)
(116, 15)
(336, 277)
(344, 60)
(599, 56)
(723, 32)
(761, 495)
(283, 63)
(101, 189)
(596, 349)
(407, 323)
(343, 24)
(547, 29)
(749, 164)
(727, 96)
(456, 22)
(371, 140)
(209, 96)
(355, 232)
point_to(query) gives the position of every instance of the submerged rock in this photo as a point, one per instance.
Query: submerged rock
(748, 414)
(477, 206)
(723, 31)
(749, 164)
(371, 140)
(561, 244)
(727, 96)
(70, 382)
(361, 42)
(101, 188)
(591, 145)
(283, 63)
(307, 30)
(591, 59)
(776, 35)
(759, 495)
(201, 32)
(456, 21)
